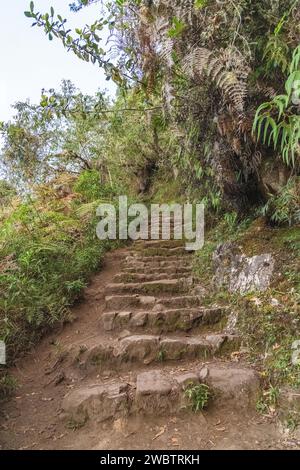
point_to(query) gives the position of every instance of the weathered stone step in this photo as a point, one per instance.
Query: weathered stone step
(160, 320)
(171, 269)
(151, 287)
(159, 259)
(147, 349)
(162, 392)
(184, 301)
(123, 302)
(146, 268)
(167, 223)
(137, 277)
(118, 302)
(160, 251)
(104, 401)
(171, 225)
(141, 244)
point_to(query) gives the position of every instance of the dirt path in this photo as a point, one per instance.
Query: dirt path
(116, 377)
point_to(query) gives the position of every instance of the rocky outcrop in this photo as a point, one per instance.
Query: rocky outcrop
(239, 273)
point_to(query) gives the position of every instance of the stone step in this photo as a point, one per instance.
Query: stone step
(184, 301)
(126, 277)
(104, 401)
(160, 251)
(151, 287)
(118, 302)
(141, 244)
(167, 223)
(163, 392)
(163, 266)
(161, 320)
(139, 302)
(183, 260)
(160, 392)
(147, 349)
(169, 270)
(158, 226)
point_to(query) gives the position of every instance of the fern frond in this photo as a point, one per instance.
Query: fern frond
(195, 63)
(227, 70)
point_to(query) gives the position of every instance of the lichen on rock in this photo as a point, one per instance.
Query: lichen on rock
(239, 273)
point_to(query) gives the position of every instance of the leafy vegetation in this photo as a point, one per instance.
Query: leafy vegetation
(284, 208)
(209, 92)
(47, 255)
(198, 395)
(282, 130)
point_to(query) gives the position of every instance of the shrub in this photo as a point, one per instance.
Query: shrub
(89, 185)
(284, 208)
(47, 254)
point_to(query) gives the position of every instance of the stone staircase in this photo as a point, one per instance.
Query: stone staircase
(155, 340)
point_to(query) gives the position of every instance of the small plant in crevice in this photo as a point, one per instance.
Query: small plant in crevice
(267, 403)
(231, 219)
(292, 421)
(74, 425)
(198, 396)
(161, 355)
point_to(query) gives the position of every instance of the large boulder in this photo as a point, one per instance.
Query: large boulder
(239, 273)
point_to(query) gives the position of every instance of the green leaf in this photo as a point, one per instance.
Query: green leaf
(291, 81)
(296, 60)
(200, 4)
(177, 28)
(52, 11)
(31, 6)
(282, 102)
(261, 121)
(28, 14)
(258, 117)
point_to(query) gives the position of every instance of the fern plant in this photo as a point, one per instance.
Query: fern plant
(277, 122)
(284, 208)
(226, 69)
